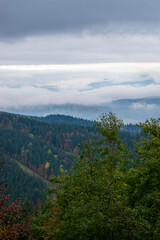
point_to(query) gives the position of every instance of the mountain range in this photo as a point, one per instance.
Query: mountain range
(130, 110)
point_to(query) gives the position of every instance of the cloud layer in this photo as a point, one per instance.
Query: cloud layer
(81, 48)
(77, 83)
(21, 17)
(78, 51)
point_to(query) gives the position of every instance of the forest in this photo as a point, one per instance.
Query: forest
(35, 150)
(103, 181)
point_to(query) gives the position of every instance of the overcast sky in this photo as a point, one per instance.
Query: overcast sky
(78, 51)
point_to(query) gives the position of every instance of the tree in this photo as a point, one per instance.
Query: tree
(12, 225)
(43, 221)
(144, 181)
(110, 193)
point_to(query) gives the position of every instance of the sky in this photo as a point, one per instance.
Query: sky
(78, 51)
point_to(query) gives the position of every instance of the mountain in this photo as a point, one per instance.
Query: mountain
(131, 128)
(33, 151)
(135, 110)
(130, 110)
(58, 118)
(37, 148)
(75, 110)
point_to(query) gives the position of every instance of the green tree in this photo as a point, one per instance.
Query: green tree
(43, 222)
(109, 194)
(144, 182)
(26, 209)
(89, 199)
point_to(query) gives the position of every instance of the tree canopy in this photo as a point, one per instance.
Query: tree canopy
(111, 193)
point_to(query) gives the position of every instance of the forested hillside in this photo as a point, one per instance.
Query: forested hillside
(109, 193)
(65, 119)
(35, 150)
(45, 149)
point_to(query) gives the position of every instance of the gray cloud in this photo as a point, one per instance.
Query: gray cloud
(81, 48)
(21, 17)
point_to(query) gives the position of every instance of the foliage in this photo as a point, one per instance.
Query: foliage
(12, 224)
(38, 146)
(111, 194)
(43, 221)
(47, 149)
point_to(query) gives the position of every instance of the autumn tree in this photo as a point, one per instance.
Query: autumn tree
(12, 225)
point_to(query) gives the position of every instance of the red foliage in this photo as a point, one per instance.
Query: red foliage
(39, 203)
(48, 136)
(12, 226)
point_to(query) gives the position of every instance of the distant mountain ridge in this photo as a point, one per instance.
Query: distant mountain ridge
(130, 110)
(64, 119)
(36, 148)
(58, 118)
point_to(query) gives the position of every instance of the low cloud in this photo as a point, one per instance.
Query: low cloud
(32, 85)
(35, 96)
(144, 106)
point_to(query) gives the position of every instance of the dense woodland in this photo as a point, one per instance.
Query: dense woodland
(65, 119)
(31, 146)
(35, 150)
(105, 180)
